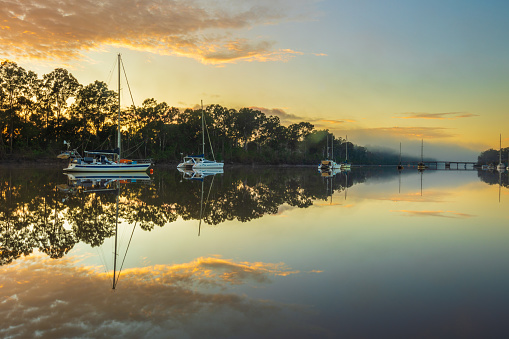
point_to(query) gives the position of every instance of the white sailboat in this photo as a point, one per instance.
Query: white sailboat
(501, 166)
(421, 166)
(345, 165)
(198, 162)
(105, 160)
(400, 166)
(328, 164)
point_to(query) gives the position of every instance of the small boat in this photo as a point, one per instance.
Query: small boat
(501, 166)
(421, 166)
(104, 160)
(400, 166)
(198, 162)
(327, 164)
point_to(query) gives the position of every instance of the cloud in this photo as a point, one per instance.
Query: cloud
(204, 30)
(49, 298)
(439, 116)
(442, 214)
(285, 117)
(415, 132)
(289, 118)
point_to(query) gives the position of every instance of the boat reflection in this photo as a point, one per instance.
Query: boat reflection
(100, 182)
(191, 174)
(199, 175)
(329, 172)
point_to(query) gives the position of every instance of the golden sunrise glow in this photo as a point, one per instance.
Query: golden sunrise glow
(293, 59)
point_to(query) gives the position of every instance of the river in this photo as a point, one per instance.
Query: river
(268, 252)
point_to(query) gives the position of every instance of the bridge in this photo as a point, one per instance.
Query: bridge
(447, 165)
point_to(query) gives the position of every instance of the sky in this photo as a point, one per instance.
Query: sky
(380, 72)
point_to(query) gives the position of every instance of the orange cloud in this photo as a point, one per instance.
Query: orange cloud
(63, 30)
(289, 118)
(415, 132)
(285, 117)
(439, 116)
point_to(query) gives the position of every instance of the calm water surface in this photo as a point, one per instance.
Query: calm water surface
(255, 253)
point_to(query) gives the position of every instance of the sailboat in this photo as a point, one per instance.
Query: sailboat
(400, 166)
(345, 165)
(421, 166)
(328, 165)
(198, 162)
(501, 166)
(105, 160)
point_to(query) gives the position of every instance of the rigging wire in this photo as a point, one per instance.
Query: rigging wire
(102, 257)
(208, 194)
(210, 143)
(110, 74)
(125, 254)
(137, 148)
(129, 87)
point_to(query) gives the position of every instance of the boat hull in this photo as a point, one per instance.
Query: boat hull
(107, 167)
(199, 163)
(205, 166)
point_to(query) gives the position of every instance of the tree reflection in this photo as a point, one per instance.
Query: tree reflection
(40, 210)
(494, 177)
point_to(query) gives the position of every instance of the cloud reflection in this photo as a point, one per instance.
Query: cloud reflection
(55, 298)
(441, 214)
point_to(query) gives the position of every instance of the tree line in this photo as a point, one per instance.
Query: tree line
(38, 114)
(492, 156)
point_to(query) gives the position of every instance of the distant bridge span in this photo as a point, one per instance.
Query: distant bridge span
(457, 165)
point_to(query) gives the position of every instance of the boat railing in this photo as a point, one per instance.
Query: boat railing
(138, 161)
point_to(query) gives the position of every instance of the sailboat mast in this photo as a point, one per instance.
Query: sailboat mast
(346, 148)
(332, 148)
(118, 127)
(500, 153)
(202, 129)
(400, 153)
(422, 149)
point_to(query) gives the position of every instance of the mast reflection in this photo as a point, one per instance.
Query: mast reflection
(199, 175)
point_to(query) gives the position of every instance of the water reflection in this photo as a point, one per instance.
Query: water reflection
(418, 249)
(40, 211)
(200, 175)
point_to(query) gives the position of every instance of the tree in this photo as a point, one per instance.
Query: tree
(57, 87)
(247, 122)
(13, 87)
(297, 133)
(95, 105)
